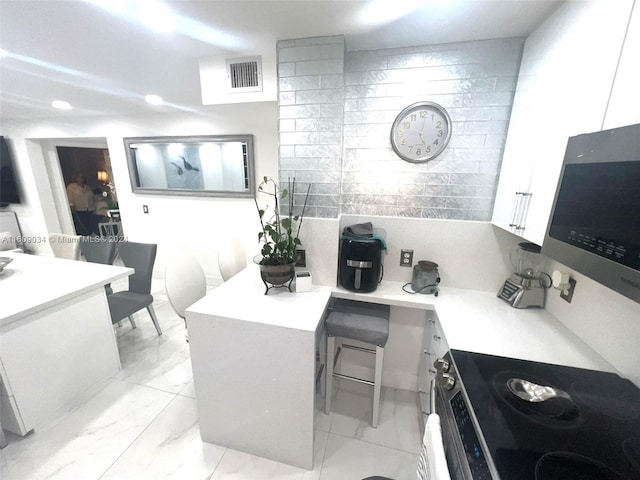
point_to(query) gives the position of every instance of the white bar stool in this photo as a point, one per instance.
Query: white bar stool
(365, 322)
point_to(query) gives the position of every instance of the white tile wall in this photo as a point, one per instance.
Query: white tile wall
(311, 103)
(335, 123)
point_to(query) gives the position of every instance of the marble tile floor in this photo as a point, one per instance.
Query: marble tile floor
(144, 425)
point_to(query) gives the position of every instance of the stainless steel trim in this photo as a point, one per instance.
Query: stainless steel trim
(359, 264)
(432, 393)
(446, 415)
(360, 349)
(354, 379)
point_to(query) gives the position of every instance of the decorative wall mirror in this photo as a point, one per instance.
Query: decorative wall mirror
(210, 165)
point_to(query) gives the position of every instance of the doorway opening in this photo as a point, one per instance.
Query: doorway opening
(87, 173)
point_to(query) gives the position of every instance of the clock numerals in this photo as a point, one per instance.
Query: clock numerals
(421, 132)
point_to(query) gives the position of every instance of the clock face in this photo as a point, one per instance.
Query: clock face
(421, 132)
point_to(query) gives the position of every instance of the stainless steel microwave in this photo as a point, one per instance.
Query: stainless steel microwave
(594, 225)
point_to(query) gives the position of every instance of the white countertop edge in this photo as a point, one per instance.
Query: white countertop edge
(108, 274)
(478, 321)
(472, 320)
(242, 298)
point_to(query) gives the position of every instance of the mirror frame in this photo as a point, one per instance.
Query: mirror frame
(134, 174)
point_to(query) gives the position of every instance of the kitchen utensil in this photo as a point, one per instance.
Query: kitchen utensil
(360, 267)
(425, 278)
(532, 392)
(524, 288)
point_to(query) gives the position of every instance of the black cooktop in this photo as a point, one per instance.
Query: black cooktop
(587, 426)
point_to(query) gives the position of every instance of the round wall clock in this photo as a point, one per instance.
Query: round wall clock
(421, 132)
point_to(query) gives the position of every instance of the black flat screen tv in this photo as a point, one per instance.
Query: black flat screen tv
(9, 191)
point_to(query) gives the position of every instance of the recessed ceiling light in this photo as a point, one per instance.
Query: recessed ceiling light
(380, 12)
(2, 52)
(157, 16)
(153, 99)
(61, 105)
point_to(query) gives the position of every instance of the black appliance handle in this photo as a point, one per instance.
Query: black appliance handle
(381, 272)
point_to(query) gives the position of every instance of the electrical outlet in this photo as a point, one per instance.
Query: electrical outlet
(567, 294)
(406, 258)
(301, 259)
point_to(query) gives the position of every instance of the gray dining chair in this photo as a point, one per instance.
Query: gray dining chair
(99, 250)
(140, 257)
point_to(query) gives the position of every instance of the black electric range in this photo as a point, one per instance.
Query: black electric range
(538, 421)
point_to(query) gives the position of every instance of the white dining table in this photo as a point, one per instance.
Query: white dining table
(57, 344)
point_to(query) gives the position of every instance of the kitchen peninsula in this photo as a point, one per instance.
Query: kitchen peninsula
(254, 355)
(57, 344)
(254, 367)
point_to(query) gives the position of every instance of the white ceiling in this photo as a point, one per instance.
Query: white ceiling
(104, 63)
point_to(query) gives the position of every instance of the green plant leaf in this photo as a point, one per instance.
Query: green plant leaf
(284, 193)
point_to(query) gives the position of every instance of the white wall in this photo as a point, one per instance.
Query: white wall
(196, 224)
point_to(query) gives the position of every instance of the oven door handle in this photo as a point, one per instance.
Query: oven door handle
(433, 391)
(433, 460)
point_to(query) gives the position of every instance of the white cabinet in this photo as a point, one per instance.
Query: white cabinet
(565, 80)
(624, 105)
(434, 346)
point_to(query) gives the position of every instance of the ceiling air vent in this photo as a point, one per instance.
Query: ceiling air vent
(245, 74)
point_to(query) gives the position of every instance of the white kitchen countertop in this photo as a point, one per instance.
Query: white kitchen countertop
(242, 297)
(479, 321)
(32, 283)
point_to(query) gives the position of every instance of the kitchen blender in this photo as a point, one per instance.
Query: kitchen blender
(524, 288)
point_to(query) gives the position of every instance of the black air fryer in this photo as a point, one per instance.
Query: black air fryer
(360, 267)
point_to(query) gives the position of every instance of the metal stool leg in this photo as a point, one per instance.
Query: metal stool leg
(152, 313)
(133, 323)
(331, 346)
(377, 387)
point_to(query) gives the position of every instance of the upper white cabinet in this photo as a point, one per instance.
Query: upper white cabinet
(624, 105)
(566, 76)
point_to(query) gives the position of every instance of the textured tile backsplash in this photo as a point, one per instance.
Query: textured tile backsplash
(336, 110)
